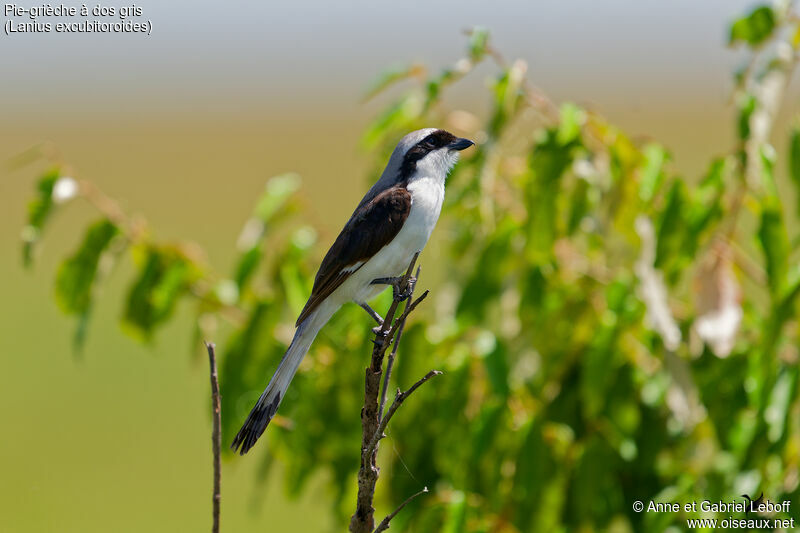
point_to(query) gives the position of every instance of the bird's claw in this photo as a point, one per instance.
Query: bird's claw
(400, 292)
(380, 335)
(412, 284)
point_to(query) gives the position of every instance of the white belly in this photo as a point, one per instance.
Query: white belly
(427, 195)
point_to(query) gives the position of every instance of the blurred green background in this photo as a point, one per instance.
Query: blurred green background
(184, 127)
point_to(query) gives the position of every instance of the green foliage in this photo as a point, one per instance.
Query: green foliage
(271, 207)
(755, 28)
(165, 275)
(478, 43)
(391, 76)
(77, 275)
(773, 239)
(609, 331)
(39, 210)
(794, 160)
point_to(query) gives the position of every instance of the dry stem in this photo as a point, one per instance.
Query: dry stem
(216, 435)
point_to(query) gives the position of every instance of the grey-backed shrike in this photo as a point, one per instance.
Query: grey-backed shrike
(392, 223)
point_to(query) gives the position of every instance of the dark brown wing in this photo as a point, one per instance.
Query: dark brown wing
(371, 227)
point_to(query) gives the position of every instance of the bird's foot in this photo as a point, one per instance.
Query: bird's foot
(380, 335)
(400, 291)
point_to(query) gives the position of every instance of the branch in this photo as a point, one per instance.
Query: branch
(384, 525)
(387, 329)
(399, 398)
(372, 420)
(216, 435)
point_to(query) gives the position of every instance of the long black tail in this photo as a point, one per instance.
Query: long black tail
(267, 405)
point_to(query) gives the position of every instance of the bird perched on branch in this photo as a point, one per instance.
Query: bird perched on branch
(391, 224)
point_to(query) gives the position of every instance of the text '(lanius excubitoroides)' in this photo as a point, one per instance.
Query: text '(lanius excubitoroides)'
(86, 18)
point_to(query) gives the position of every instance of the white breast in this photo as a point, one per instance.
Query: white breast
(427, 195)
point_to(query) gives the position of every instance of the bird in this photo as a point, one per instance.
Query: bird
(391, 224)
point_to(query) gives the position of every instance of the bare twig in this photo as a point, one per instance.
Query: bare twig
(399, 398)
(110, 209)
(216, 435)
(363, 520)
(384, 525)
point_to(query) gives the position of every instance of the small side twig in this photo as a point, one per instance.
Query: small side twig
(384, 525)
(399, 398)
(216, 435)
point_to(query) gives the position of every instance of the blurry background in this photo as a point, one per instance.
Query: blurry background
(184, 126)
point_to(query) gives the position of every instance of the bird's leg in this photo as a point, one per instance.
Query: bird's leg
(400, 293)
(377, 330)
(374, 314)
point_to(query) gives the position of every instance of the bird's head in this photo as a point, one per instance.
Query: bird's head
(429, 151)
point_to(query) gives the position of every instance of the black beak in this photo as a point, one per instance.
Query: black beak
(460, 144)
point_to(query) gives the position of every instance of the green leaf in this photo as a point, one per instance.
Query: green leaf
(549, 161)
(655, 156)
(775, 245)
(508, 98)
(580, 205)
(705, 207)
(39, 210)
(790, 293)
(746, 108)
(164, 276)
(778, 407)
(432, 90)
(277, 192)
(76, 276)
(390, 76)
(572, 120)
(755, 28)
(294, 284)
(456, 513)
(794, 162)
(274, 200)
(247, 265)
(671, 224)
(534, 470)
(486, 279)
(596, 493)
(600, 358)
(77, 273)
(496, 363)
(248, 354)
(713, 182)
(766, 154)
(397, 117)
(478, 41)
(486, 429)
